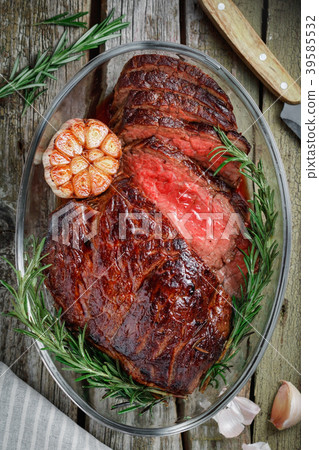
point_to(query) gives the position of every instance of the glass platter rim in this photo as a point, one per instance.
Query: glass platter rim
(286, 211)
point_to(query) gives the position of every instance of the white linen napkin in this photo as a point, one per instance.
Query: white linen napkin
(30, 421)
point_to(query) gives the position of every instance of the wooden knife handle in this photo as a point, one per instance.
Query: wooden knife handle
(243, 38)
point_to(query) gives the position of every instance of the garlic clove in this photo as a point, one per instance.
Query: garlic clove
(286, 409)
(239, 412)
(229, 424)
(248, 409)
(256, 446)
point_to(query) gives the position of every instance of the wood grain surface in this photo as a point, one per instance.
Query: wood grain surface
(277, 23)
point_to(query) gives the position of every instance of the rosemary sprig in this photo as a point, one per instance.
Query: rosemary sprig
(66, 20)
(73, 351)
(259, 259)
(30, 79)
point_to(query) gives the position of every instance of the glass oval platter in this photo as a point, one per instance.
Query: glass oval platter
(79, 98)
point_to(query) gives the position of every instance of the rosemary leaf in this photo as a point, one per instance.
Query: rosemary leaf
(66, 19)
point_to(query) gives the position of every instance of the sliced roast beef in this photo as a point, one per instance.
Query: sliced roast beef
(176, 105)
(196, 206)
(149, 266)
(146, 300)
(161, 81)
(177, 67)
(196, 140)
(231, 274)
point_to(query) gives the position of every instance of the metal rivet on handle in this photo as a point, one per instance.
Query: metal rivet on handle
(284, 85)
(221, 6)
(262, 57)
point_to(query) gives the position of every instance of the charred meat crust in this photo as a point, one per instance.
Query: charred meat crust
(184, 70)
(157, 80)
(178, 105)
(151, 303)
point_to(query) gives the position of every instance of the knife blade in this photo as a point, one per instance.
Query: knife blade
(235, 28)
(291, 115)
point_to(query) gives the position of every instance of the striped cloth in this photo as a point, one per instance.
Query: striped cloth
(29, 421)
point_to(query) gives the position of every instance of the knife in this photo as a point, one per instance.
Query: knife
(253, 51)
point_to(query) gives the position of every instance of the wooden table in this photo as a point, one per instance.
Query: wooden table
(277, 21)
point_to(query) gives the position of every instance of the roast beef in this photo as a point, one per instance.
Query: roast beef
(177, 68)
(147, 300)
(176, 105)
(197, 140)
(211, 219)
(161, 81)
(150, 266)
(231, 274)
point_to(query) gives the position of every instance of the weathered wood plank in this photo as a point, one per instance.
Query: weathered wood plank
(21, 37)
(283, 37)
(150, 20)
(201, 35)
